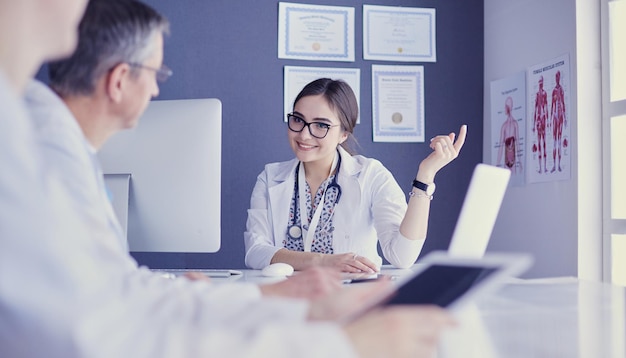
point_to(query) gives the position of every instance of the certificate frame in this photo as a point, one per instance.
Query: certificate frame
(398, 103)
(402, 34)
(296, 77)
(315, 33)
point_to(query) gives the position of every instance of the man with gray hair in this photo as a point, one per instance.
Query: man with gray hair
(103, 88)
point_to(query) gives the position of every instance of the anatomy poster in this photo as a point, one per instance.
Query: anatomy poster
(548, 125)
(508, 114)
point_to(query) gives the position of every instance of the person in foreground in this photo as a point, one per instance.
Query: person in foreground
(327, 207)
(64, 294)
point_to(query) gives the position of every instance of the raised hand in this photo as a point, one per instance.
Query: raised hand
(445, 149)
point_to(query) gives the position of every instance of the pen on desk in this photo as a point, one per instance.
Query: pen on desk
(370, 279)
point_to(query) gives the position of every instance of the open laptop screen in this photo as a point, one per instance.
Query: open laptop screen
(479, 212)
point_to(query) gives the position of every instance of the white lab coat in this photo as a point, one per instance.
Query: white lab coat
(68, 151)
(370, 210)
(66, 293)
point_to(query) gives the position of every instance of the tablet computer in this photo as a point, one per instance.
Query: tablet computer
(448, 282)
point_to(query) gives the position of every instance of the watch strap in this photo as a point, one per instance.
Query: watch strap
(419, 185)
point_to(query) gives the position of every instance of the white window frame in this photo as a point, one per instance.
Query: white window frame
(609, 110)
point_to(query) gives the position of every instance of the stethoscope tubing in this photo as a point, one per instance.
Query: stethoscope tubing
(333, 184)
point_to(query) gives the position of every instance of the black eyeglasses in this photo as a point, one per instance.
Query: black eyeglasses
(318, 130)
(162, 74)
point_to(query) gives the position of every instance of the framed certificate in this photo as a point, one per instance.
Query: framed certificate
(399, 34)
(317, 33)
(298, 77)
(398, 103)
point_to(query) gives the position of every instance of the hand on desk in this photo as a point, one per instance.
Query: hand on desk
(313, 283)
(349, 262)
(346, 262)
(394, 331)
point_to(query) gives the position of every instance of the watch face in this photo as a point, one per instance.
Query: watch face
(430, 190)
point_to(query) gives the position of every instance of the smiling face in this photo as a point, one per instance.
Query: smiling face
(308, 149)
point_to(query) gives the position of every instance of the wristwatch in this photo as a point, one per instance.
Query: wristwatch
(429, 189)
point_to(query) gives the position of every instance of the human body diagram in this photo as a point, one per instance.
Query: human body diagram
(549, 134)
(558, 122)
(510, 146)
(540, 117)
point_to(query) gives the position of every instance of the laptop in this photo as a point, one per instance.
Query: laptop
(476, 219)
(479, 211)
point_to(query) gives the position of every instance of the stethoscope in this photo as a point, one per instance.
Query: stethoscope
(295, 232)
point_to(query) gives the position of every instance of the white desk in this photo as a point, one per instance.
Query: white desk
(561, 318)
(548, 318)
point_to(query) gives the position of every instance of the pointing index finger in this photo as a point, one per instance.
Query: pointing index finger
(460, 140)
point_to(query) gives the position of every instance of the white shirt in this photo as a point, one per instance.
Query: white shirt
(370, 211)
(67, 149)
(65, 293)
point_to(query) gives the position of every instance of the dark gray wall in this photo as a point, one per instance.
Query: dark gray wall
(227, 49)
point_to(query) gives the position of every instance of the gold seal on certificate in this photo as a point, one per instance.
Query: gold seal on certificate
(396, 118)
(316, 46)
(400, 50)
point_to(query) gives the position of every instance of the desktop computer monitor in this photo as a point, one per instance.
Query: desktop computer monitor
(164, 177)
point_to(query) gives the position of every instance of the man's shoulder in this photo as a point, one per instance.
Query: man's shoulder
(38, 93)
(46, 108)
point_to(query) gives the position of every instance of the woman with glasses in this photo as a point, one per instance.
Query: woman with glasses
(327, 207)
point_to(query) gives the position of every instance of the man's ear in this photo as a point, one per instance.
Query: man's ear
(116, 79)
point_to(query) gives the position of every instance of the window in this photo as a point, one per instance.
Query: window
(614, 132)
(617, 50)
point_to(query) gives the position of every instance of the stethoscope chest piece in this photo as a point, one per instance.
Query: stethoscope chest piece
(295, 232)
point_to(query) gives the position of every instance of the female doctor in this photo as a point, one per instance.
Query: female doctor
(330, 208)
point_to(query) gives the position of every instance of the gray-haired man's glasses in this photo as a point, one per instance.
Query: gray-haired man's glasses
(162, 74)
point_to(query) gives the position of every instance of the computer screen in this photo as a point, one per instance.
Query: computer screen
(164, 177)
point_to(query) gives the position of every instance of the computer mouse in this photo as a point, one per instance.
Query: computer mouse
(277, 269)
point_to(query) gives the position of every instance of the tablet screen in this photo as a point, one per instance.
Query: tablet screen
(440, 284)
